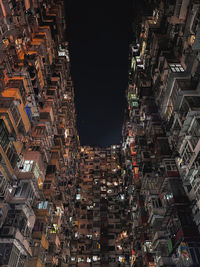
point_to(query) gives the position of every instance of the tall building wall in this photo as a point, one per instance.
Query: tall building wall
(102, 226)
(39, 142)
(133, 204)
(159, 136)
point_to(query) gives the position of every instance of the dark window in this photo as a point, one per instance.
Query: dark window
(24, 189)
(21, 128)
(89, 226)
(12, 155)
(44, 116)
(111, 248)
(197, 254)
(15, 113)
(39, 130)
(47, 186)
(118, 226)
(4, 141)
(23, 93)
(193, 255)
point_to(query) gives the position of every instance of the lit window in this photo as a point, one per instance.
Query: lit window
(61, 53)
(28, 164)
(168, 196)
(89, 259)
(135, 104)
(66, 133)
(95, 258)
(122, 197)
(121, 259)
(80, 259)
(54, 229)
(36, 171)
(78, 196)
(176, 68)
(43, 205)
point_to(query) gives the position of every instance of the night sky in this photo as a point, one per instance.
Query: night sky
(99, 33)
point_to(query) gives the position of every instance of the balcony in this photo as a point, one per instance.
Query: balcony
(34, 262)
(52, 260)
(12, 233)
(159, 239)
(156, 215)
(32, 167)
(165, 261)
(40, 235)
(44, 209)
(53, 238)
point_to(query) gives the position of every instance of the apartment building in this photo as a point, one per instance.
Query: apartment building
(133, 204)
(160, 136)
(39, 141)
(101, 234)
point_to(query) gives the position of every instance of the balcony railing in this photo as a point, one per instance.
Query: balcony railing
(165, 261)
(156, 214)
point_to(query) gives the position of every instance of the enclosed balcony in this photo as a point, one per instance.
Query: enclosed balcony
(32, 167)
(164, 261)
(160, 239)
(156, 215)
(44, 209)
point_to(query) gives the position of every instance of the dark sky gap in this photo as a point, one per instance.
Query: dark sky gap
(99, 35)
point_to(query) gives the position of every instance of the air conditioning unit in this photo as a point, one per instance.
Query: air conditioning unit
(8, 231)
(11, 138)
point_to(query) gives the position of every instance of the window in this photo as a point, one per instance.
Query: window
(12, 155)
(186, 154)
(3, 185)
(15, 113)
(23, 93)
(95, 258)
(38, 225)
(176, 68)
(195, 133)
(54, 155)
(81, 259)
(14, 257)
(44, 116)
(89, 259)
(178, 8)
(89, 226)
(43, 205)
(36, 171)
(170, 166)
(24, 190)
(39, 130)
(47, 186)
(4, 141)
(21, 128)
(156, 203)
(27, 167)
